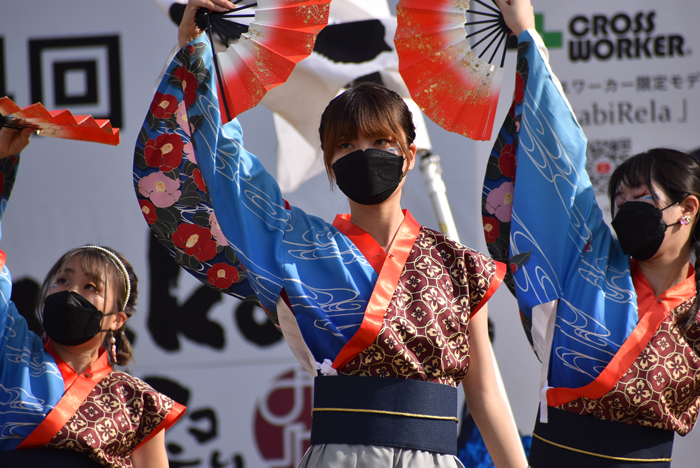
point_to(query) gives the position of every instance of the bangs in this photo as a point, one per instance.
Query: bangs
(361, 115)
(635, 172)
(96, 266)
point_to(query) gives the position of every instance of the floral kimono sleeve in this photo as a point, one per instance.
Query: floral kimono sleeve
(174, 199)
(193, 175)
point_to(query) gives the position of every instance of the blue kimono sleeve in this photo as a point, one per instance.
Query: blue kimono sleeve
(541, 218)
(30, 382)
(326, 279)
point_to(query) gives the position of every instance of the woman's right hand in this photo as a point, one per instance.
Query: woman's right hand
(13, 141)
(188, 30)
(518, 14)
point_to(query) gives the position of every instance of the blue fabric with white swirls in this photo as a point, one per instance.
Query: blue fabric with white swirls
(573, 257)
(30, 382)
(326, 278)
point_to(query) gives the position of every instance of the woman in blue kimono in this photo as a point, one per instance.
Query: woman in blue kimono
(389, 315)
(61, 402)
(614, 321)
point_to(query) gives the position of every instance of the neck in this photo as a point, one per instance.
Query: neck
(379, 221)
(78, 360)
(665, 271)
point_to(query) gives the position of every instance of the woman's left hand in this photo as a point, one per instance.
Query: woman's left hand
(188, 30)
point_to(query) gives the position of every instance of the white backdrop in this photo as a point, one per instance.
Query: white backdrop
(246, 401)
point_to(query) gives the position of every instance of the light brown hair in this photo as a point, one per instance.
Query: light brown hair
(103, 270)
(367, 109)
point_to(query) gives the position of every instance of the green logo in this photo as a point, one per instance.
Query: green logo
(553, 40)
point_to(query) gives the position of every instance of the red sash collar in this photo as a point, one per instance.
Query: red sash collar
(652, 311)
(389, 266)
(78, 388)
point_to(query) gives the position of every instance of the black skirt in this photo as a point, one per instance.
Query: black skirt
(45, 458)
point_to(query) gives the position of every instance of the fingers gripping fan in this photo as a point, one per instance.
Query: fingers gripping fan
(453, 67)
(263, 42)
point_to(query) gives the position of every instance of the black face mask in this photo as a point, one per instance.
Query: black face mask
(640, 229)
(70, 319)
(368, 177)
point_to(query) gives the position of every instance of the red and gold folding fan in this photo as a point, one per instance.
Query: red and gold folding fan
(260, 54)
(455, 83)
(58, 124)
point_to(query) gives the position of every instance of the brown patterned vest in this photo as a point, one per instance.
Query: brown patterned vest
(425, 332)
(115, 418)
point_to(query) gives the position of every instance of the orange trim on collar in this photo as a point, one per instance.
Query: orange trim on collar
(369, 248)
(495, 283)
(652, 313)
(76, 392)
(383, 290)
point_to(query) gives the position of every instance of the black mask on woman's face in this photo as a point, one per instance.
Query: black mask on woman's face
(640, 229)
(70, 319)
(368, 177)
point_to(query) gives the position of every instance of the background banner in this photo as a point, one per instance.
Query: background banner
(628, 68)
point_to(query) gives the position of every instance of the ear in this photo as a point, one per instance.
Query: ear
(412, 156)
(120, 320)
(690, 206)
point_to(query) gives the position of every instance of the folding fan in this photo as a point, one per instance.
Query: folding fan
(260, 54)
(58, 124)
(454, 75)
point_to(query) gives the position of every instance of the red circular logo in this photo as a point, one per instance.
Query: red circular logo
(283, 419)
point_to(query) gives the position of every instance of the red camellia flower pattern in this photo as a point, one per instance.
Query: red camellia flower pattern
(165, 152)
(195, 241)
(2, 183)
(507, 162)
(491, 229)
(199, 180)
(222, 275)
(148, 211)
(189, 85)
(189, 49)
(163, 106)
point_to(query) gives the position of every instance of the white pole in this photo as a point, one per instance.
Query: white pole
(432, 173)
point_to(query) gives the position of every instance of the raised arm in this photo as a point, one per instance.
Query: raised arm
(541, 218)
(30, 383)
(185, 156)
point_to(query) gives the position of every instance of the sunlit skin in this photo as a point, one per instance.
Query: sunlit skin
(670, 265)
(73, 278)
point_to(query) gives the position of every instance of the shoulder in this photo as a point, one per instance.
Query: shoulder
(451, 251)
(130, 387)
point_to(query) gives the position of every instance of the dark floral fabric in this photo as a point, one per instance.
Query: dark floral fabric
(120, 412)
(661, 389)
(425, 332)
(171, 191)
(8, 173)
